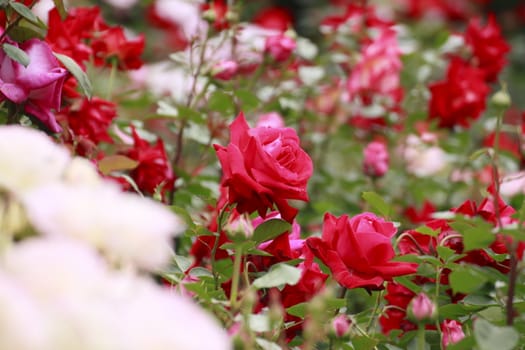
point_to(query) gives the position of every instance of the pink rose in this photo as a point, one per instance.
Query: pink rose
(359, 250)
(422, 308)
(375, 162)
(263, 167)
(38, 86)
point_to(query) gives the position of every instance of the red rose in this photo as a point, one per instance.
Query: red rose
(264, 166)
(359, 250)
(154, 172)
(459, 98)
(488, 47)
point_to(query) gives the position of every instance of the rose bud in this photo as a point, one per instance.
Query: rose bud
(340, 325)
(422, 309)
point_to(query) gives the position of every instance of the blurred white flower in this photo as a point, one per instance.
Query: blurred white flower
(423, 159)
(54, 268)
(29, 158)
(127, 228)
(81, 171)
(184, 13)
(23, 324)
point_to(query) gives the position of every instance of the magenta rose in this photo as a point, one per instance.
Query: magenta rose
(38, 86)
(264, 167)
(359, 250)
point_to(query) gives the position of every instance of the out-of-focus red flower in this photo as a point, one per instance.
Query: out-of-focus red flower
(422, 215)
(437, 9)
(507, 142)
(460, 98)
(488, 46)
(154, 170)
(356, 19)
(174, 35)
(278, 18)
(375, 159)
(90, 118)
(113, 44)
(216, 11)
(69, 36)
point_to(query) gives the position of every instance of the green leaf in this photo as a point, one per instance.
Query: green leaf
(467, 343)
(466, 279)
(78, 73)
(270, 229)
(444, 252)
(490, 337)
(24, 11)
(364, 342)
(116, 163)
(279, 274)
(478, 237)
(221, 102)
(425, 230)
(377, 203)
(248, 100)
(59, 4)
(182, 263)
(16, 54)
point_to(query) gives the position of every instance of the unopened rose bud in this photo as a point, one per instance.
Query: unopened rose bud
(501, 99)
(422, 309)
(225, 70)
(376, 159)
(341, 325)
(280, 47)
(240, 227)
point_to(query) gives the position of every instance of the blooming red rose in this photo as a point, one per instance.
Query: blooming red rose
(264, 166)
(90, 119)
(278, 18)
(113, 44)
(38, 86)
(460, 98)
(488, 47)
(154, 170)
(359, 250)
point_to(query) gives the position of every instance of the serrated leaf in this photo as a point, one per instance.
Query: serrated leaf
(116, 163)
(377, 203)
(490, 337)
(16, 54)
(24, 11)
(279, 275)
(77, 72)
(445, 252)
(59, 4)
(270, 229)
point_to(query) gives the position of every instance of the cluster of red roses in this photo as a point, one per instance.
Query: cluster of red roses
(263, 168)
(414, 242)
(460, 98)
